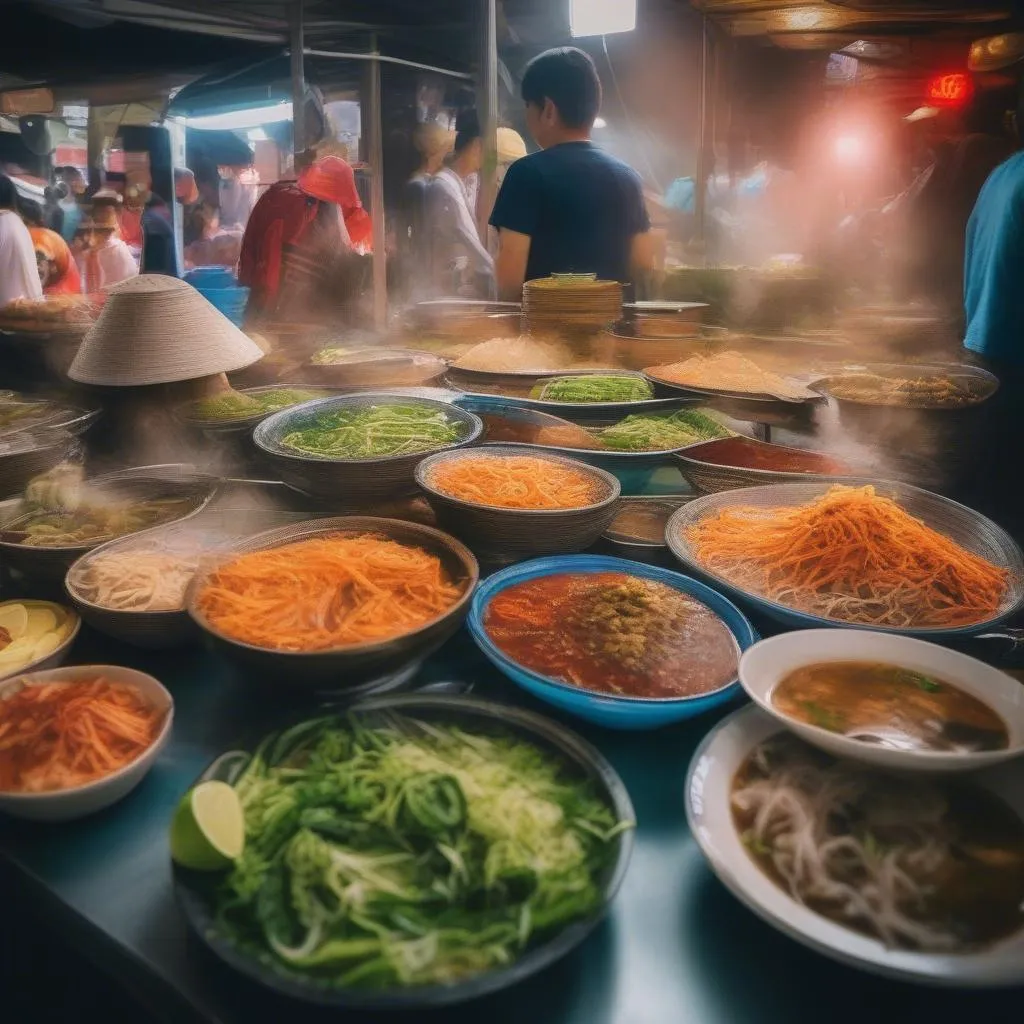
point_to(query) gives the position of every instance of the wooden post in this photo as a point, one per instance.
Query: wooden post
(487, 106)
(375, 156)
(297, 34)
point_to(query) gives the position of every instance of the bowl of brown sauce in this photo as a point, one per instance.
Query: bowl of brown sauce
(891, 701)
(615, 642)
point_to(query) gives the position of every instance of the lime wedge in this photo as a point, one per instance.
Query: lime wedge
(208, 829)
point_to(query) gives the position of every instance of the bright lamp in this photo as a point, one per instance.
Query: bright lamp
(601, 17)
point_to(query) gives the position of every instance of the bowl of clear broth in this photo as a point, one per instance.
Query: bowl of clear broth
(615, 642)
(886, 700)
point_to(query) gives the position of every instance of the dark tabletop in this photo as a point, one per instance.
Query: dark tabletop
(675, 949)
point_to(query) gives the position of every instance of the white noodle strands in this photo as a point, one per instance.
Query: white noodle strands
(137, 581)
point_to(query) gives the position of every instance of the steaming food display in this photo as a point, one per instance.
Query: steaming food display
(391, 851)
(516, 481)
(921, 865)
(378, 853)
(852, 556)
(386, 430)
(326, 593)
(614, 633)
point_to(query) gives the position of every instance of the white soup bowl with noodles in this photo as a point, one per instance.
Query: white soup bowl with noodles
(887, 700)
(971, 949)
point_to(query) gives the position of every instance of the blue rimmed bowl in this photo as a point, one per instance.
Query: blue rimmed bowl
(601, 708)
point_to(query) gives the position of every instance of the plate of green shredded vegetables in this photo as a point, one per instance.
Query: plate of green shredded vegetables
(377, 431)
(234, 406)
(587, 389)
(416, 851)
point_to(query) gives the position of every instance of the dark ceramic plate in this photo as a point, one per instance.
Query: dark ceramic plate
(195, 891)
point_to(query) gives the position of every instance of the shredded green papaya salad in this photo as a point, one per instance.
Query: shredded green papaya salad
(391, 852)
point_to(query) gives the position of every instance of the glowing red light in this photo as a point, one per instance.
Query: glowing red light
(952, 88)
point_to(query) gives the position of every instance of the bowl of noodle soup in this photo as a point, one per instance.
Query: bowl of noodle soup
(873, 901)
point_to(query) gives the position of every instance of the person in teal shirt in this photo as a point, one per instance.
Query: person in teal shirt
(994, 317)
(994, 267)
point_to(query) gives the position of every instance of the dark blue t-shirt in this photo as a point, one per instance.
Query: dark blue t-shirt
(580, 207)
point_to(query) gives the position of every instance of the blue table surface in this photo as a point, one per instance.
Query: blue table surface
(676, 948)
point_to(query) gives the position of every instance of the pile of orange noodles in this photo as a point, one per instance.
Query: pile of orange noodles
(330, 592)
(516, 481)
(60, 735)
(853, 556)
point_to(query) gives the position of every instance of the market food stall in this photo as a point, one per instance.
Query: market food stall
(413, 597)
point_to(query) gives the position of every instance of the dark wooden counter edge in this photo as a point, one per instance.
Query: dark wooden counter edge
(150, 989)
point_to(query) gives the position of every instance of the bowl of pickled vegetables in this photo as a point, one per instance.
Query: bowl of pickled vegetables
(35, 635)
(361, 449)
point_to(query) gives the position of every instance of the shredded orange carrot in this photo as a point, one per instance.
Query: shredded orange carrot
(853, 556)
(326, 593)
(515, 481)
(60, 735)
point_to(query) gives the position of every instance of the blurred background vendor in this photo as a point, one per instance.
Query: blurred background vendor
(19, 278)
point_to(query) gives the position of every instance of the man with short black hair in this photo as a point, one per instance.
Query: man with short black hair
(572, 208)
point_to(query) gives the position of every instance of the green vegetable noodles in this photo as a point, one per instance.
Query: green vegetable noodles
(593, 388)
(661, 431)
(393, 852)
(234, 405)
(376, 431)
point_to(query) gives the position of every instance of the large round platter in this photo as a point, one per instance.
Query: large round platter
(56, 413)
(518, 389)
(744, 396)
(708, 792)
(194, 891)
(979, 382)
(604, 458)
(968, 528)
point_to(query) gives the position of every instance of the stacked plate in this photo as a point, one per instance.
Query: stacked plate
(570, 301)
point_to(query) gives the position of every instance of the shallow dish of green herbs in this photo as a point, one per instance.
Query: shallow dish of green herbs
(361, 449)
(419, 851)
(240, 411)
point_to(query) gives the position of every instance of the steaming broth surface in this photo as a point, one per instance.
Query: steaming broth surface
(890, 706)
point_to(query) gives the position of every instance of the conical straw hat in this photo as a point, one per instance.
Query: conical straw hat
(156, 330)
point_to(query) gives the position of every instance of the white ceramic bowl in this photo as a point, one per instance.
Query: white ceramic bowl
(709, 813)
(764, 666)
(77, 802)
